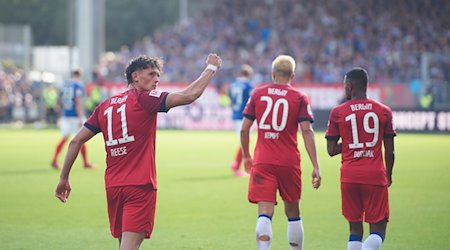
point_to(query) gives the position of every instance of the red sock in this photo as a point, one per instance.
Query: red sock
(238, 157)
(83, 152)
(59, 147)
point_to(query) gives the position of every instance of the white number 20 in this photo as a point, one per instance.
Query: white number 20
(123, 118)
(283, 103)
(370, 130)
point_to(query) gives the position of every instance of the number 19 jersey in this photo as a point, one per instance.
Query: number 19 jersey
(128, 124)
(362, 124)
(278, 109)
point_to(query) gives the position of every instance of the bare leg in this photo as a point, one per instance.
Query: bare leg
(379, 227)
(292, 209)
(131, 240)
(356, 228)
(266, 208)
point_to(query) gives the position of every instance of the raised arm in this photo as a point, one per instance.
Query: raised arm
(196, 88)
(389, 157)
(63, 189)
(310, 145)
(245, 144)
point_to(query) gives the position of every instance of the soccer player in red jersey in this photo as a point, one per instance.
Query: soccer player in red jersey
(363, 125)
(128, 125)
(278, 109)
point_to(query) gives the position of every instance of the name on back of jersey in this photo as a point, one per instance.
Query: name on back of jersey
(275, 91)
(118, 100)
(361, 106)
(363, 153)
(118, 151)
(272, 135)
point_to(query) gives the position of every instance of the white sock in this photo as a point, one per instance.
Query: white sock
(295, 233)
(263, 227)
(354, 242)
(373, 242)
(354, 245)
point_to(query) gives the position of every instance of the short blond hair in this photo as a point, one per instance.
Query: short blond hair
(284, 65)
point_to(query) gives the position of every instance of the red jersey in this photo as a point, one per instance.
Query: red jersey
(128, 124)
(362, 124)
(277, 109)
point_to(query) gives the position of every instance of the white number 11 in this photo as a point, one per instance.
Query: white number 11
(123, 118)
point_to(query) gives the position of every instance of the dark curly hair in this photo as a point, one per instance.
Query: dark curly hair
(142, 62)
(359, 77)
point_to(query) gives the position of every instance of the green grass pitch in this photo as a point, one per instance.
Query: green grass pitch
(201, 205)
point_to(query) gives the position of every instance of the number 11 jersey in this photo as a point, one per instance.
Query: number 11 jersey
(362, 124)
(128, 124)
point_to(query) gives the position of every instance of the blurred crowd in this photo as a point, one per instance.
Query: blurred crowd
(17, 95)
(325, 37)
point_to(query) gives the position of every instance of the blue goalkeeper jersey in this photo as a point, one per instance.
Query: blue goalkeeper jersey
(70, 91)
(239, 93)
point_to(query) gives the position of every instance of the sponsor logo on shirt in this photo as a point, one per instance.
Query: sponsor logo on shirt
(155, 93)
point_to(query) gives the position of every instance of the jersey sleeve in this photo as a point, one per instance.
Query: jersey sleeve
(249, 110)
(332, 132)
(305, 112)
(389, 130)
(93, 123)
(153, 101)
(79, 92)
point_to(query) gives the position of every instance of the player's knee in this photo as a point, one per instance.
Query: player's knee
(264, 238)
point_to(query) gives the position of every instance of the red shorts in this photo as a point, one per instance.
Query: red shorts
(364, 202)
(131, 209)
(265, 180)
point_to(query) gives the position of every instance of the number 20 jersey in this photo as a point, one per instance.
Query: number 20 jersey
(278, 109)
(361, 124)
(128, 124)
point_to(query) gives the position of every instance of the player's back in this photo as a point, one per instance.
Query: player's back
(71, 90)
(363, 123)
(278, 109)
(128, 124)
(239, 92)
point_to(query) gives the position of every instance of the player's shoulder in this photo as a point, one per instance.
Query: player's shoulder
(145, 93)
(381, 106)
(261, 88)
(298, 92)
(341, 107)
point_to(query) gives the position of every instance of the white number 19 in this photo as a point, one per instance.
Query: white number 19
(370, 130)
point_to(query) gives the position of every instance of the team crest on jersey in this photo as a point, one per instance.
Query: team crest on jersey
(155, 93)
